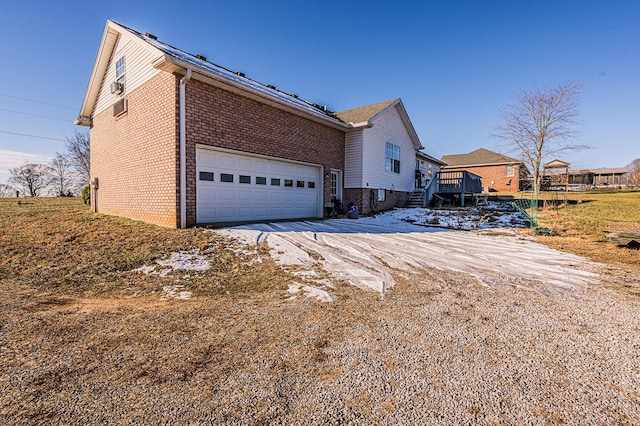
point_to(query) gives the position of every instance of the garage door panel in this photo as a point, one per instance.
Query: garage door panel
(219, 201)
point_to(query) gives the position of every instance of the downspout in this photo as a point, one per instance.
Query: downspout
(183, 151)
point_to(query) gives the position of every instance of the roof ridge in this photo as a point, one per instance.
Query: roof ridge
(154, 41)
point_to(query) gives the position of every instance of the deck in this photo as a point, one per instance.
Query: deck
(459, 183)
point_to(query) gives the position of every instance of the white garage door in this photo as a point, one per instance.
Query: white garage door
(233, 187)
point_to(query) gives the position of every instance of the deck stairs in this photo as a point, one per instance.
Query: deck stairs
(415, 199)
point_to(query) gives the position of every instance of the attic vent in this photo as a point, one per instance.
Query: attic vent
(204, 58)
(120, 107)
(293, 95)
(151, 36)
(271, 86)
(241, 74)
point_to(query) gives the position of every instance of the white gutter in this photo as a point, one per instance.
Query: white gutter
(183, 151)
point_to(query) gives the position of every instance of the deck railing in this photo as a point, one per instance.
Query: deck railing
(454, 182)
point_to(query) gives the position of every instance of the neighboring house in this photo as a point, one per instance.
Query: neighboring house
(601, 177)
(177, 140)
(498, 171)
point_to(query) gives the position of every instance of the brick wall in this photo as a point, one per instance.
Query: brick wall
(134, 156)
(219, 118)
(362, 197)
(495, 174)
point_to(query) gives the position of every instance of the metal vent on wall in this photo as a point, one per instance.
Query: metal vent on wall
(120, 107)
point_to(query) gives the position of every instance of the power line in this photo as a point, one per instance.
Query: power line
(32, 136)
(36, 101)
(35, 115)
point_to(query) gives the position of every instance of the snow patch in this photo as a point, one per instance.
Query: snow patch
(175, 292)
(371, 251)
(185, 261)
(181, 261)
(309, 291)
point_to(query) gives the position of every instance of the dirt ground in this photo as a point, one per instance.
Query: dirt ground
(84, 339)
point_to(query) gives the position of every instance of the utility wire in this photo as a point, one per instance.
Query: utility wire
(35, 115)
(36, 101)
(32, 136)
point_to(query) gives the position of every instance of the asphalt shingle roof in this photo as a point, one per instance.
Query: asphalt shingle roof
(363, 113)
(478, 157)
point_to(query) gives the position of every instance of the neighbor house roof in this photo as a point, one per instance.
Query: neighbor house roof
(610, 170)
(556, 164)
(364, 116)
(598, 171)
(479, 157)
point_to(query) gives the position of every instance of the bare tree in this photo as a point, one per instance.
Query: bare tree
(62, 177)
(634, 172)
(540, 125)
(32, 178)
(78, 147)
(7, 191)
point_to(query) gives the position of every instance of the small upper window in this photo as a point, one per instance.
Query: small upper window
(261, 180)
(288, 182)
(245, 179)
(226, 177)
(120, 70)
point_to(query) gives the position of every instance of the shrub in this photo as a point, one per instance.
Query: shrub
(86, 195)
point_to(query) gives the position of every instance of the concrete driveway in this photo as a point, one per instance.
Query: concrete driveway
(372, 252)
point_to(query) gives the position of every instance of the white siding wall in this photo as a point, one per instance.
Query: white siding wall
(138, 69)
(353, 160)
(388, 128)
(424, 168)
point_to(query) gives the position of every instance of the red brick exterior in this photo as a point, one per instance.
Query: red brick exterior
(494, 177)
(216, 117)
(362, 197)
(134, 156)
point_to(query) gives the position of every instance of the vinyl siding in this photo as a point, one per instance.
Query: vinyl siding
(138, 69)
(388, 127)
(353, 160)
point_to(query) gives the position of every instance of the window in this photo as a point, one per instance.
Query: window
(300, 184)
(382, 194)
(509, 171)
(275, 182)
(261, 180)
(311, 184)
(245, 179)
(225, 177)
(392, 158)
(206, 176)
(288, 182)
(120, 71)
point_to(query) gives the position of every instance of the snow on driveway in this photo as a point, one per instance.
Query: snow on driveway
(369, 251)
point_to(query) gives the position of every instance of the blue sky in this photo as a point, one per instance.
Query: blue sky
(454, 64)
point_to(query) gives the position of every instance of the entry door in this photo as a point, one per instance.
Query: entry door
(336, 184)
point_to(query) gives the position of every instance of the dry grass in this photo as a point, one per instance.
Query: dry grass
(584, 225)
(58, 246)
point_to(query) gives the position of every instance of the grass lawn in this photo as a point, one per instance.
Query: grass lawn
(585, 224)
